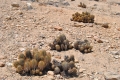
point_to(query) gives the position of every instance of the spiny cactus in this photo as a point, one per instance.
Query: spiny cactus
(82, 5)
(33, 72)
(21, 62)
(35, 62)
(19, 69)
(72, 71)
(61, 43)
(41, 65)
(85, 17)
(57, 70)
(21, 56)
(71, 64)
(83, 46)
(65, 65)
(15, 64)
(27, 66)
(28, 54)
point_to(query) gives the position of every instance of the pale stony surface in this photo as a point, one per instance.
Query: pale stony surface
(21, 28)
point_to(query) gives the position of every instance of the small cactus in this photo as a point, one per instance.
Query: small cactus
(41, 65)
(60, 43)
(21, 62)
(82, 5)
(15, 64)
(57, 70)
(65, 65)
(27, 66)
(57, 47)
(83, 46)
(33, 72)
(33, 63)
(28, 54)
(19, 69)
(71, 64)
(85, 17)
(21, 56)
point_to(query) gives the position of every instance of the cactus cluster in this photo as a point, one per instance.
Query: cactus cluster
(85, 17)
(32, 62)
(67, 66)
(83, 46)
(82, 5)
(61, 43)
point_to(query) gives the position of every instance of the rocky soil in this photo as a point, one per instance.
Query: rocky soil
(26, 24)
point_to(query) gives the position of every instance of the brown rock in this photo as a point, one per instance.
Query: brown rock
(118, 29)
(2, 64)
(58, 28)
(105, 25)
(14, 4)
(100, 41)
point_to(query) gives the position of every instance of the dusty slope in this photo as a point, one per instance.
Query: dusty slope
(35, 28)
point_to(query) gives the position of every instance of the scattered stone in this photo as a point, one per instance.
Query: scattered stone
(100, 41)
(9, 64)
(15, 4)
(58, 28)
(29, 6)
(82, 70)
(111, 76)
(116, 56)
(58, 57)
(51, 73)
(118, 29)
(22, 49)
(65, 3)
(76, 24)
(115, 52)
(8, 18)
(105, 25)
(2, 64)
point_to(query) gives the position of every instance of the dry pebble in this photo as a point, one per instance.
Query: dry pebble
(2, 64)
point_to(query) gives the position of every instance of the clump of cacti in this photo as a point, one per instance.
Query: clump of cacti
(32, 62)
(67, 66)
(83, 46)
(85, 17)
(82, 5)
(61, 43)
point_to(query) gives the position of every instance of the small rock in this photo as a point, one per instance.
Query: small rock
(51, 73)
(76, 24)
(22, 49)
(76, 61)
(111, 76)
(82, 70)
(15, 4)
(105, 25)
(58, 28)
(2, 64)
(100, 41)
(116, 56)
(118, 29)
(29, 6)
(65, 3)
(115, 52)
(58, 57)
(9, 64)
(8, 18)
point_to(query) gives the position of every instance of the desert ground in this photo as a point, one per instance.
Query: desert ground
(36, 24)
